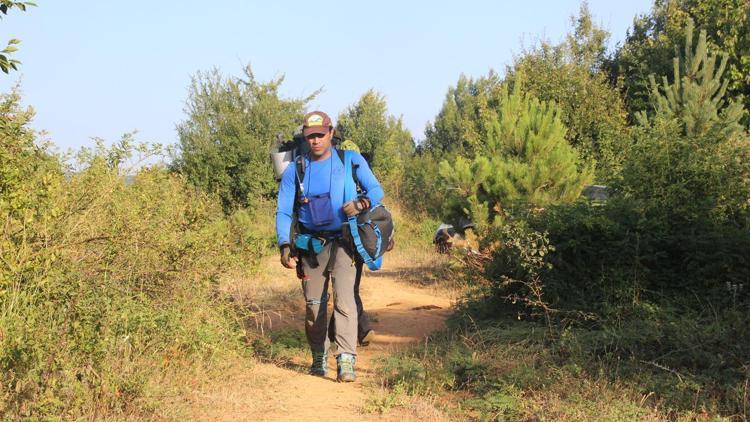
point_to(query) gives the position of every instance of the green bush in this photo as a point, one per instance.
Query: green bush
(422, 189)
(227, 136)
(611, 256)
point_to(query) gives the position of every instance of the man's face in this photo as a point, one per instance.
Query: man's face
(319, 144)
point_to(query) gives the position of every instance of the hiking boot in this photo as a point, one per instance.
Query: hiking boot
(346, 363)
(319, 365)
(367, 338)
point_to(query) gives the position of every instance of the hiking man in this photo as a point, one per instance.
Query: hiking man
(317, 200)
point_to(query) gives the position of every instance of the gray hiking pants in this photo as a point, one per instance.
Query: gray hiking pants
(363, 321)
(315, 287)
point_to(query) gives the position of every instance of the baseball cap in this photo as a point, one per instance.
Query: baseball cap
(316, 122)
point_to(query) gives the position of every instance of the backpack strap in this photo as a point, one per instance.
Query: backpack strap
(299, 190)
(342, 156)
(299, 187)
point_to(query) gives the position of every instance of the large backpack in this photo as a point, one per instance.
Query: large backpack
(283, 153)
(368, 235)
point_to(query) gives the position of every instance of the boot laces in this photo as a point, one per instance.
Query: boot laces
(346, 363)
(319, 360)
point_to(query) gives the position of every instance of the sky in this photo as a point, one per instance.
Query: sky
(104, 68)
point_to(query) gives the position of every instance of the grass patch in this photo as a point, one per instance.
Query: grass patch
(280, 346)
(506, 369)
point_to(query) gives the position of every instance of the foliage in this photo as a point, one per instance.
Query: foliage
(7, 63)
(459, 127)
(382, 136)
(644, 292)
(571, 74)
(280, 346)
(587, 44)
(691, 160)
(22, 164)
(348, 145)
(119, 277)
(365, 122)
(650, 46)
(524, 159)
(422, 189)
(610, 258)
(231, 125)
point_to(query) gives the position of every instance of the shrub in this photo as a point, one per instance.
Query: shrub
(226, 138)
(105, 284)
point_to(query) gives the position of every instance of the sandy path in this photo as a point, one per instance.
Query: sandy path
(273, 393)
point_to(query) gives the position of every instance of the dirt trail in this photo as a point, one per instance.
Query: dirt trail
(403, 312)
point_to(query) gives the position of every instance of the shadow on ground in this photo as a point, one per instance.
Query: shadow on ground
(419, 276)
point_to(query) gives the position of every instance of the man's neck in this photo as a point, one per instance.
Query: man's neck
(322, 157)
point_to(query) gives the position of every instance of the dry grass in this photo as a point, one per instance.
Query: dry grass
(268, 299)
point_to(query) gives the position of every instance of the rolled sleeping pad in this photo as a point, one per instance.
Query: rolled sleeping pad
(281, 160)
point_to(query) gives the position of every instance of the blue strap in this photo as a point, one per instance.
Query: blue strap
(350, 191)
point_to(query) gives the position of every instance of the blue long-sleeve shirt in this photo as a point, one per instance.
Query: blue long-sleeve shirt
(321, 177)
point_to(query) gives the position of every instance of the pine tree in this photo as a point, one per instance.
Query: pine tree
(691, 158)
(697, 95)
(650, 45)
(525, 159)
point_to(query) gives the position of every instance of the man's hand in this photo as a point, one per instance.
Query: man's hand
(356, 206)
(287, 260)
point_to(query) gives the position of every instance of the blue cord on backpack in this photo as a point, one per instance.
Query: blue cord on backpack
(349, 194)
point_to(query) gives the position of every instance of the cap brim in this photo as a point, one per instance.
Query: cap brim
(320, 130)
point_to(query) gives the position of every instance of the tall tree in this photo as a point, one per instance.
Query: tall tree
(571, 74)
(230, 126)
(458, 128)
(365, 122)
(587, 44)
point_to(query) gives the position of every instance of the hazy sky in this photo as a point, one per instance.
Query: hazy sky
(103, 68)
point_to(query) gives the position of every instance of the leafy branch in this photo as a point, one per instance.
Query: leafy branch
(7, 63)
